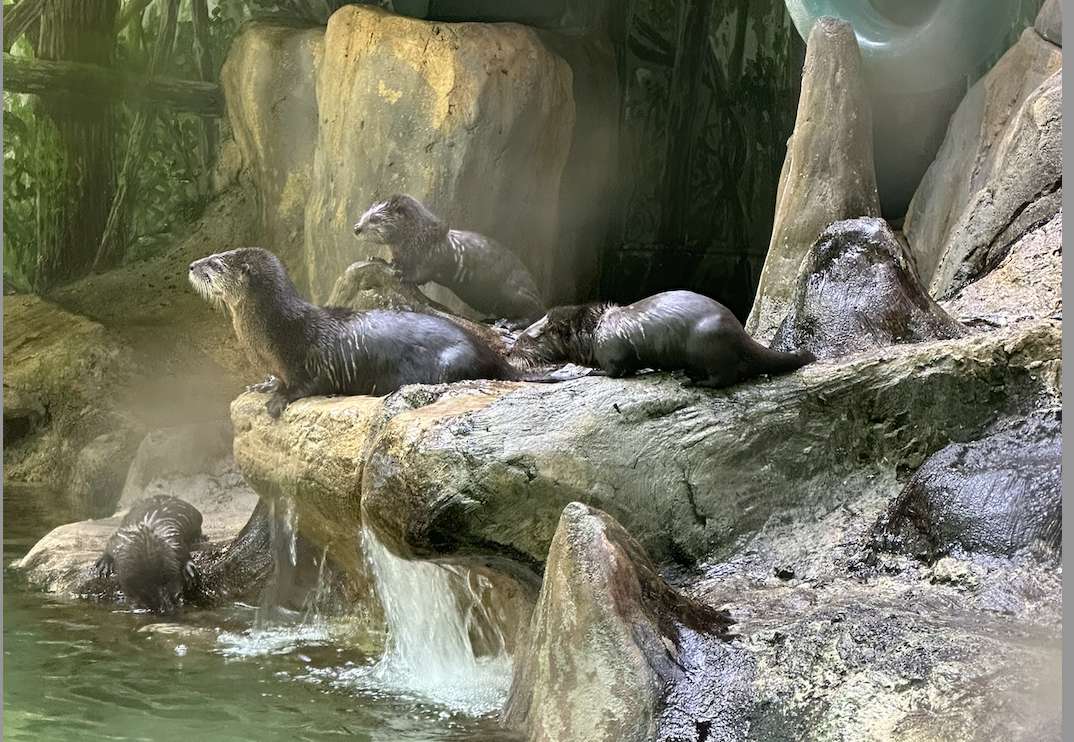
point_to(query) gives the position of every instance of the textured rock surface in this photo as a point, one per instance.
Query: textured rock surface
(485, 468)
(858, 291)
(1050, 22)
(997, 173)
(615, 654)
(175, 453)
(473, 119)
(828, 174)
(499, 128)
(999, 495)
(268, 82)
(1027, 285)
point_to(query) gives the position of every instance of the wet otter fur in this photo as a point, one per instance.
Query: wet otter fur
(311, 350)
(150, 552)
(480, 271)
(670, 331)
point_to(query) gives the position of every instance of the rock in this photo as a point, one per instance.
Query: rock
(268, 82)
(1050, 22)
(1023, 192)
(97, 477)
(616, 654)
(857, 291)
(475, 120)
(995, 176)
(61, 371)
(179, 452)
(484, 469)
(1027, 285)
(828, 174)
(999, 495)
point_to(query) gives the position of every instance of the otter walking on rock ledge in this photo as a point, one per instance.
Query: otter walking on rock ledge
(671, 331)
(150, 553)
(313, 350)
(483, 273)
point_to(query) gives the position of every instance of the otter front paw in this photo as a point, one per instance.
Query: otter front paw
(191, 576)
(104, 566)
(276, 405)
(268, 385)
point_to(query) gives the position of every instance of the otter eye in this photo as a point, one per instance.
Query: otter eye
(245, 269)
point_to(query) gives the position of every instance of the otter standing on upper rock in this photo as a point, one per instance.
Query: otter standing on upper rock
(483, 273)
(314, 350)
(150, 553)
(675, 330)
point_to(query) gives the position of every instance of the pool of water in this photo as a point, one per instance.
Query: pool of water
(83, 671)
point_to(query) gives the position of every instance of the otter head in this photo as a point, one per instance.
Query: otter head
(148, 566)
(227, 278)
(399, 220)
(564, 335)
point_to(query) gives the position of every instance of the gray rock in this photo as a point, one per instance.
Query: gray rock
(1027, 285)
(858, 291)
(608, 629)
(828, 174)
(179, 452)
(485, 468)
(99, 471)
(1050, 22)
(996, 175)
(999, 495)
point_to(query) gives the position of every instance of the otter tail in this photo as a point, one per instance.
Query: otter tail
(764, 360)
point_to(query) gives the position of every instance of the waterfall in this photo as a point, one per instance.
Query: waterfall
(443, 644)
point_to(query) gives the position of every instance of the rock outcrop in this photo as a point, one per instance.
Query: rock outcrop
(828, 174)
(1050, 22)
(484, 469)
(858, 291)
(997, 174)
(999, 495)
(614, 654)
(499, 128)
(1027, 285)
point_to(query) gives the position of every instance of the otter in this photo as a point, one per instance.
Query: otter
(150, 552)
(310, 350)
(671, 331)
(483, 273)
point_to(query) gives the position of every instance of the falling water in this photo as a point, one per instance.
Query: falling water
(443, 645)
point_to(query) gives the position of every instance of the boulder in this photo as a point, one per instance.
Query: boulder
(268, 83)
(473, 119)
(484, 469)
(996, 175)
(615, 654)
(998, 495)
(1049, 22)
(858, 291)
(1027, 285)
(175, 453)
(828, 174)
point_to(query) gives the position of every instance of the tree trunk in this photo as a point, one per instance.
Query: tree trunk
(71, 217)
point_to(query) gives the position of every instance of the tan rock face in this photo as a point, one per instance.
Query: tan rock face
(606, 649)
(272, 108)
(475, 120)
(997, 174)
(1027, 285)
(829, 173)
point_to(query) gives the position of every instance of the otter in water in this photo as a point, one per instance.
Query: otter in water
(483, 273)
(671, 331)
(150, 552)
(311, 350)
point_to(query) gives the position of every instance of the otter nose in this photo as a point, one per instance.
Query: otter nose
(358, 228)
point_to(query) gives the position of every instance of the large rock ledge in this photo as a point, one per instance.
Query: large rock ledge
(485, 469)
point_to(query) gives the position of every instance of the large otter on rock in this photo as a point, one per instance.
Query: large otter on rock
(671, 331)
(150, 552)
(483, 273)
(311, 350)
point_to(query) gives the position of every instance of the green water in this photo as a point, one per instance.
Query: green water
(81, 671)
